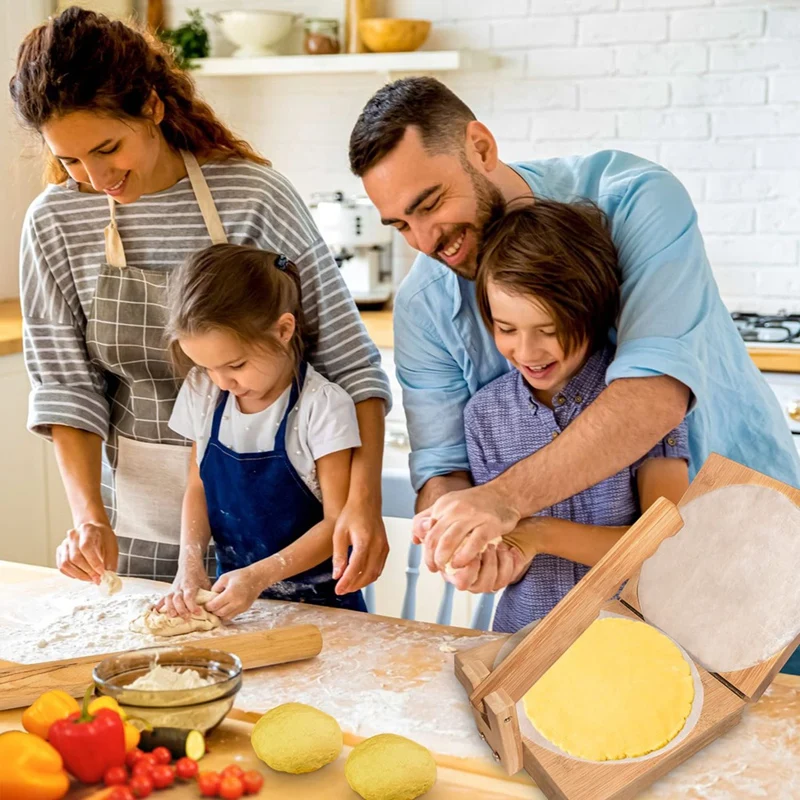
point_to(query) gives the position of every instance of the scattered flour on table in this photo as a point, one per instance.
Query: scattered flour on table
(373, 675)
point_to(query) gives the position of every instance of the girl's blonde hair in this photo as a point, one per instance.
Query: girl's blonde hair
(237, 289)
(83, 61)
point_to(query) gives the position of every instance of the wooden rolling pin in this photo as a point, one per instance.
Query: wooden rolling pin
(21, 685)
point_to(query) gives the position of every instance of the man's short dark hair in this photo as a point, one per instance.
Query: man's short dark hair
(425, 103)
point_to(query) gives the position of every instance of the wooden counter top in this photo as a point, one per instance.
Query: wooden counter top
(377, 674)
(10, 327)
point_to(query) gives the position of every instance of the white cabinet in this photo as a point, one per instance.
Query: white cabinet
(33, 507)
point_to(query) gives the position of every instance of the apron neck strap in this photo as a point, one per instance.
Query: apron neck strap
(115, 252)
(204, 199)
(294, 396)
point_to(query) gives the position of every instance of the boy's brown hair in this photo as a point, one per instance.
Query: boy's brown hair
(237, 289)
(563, 255)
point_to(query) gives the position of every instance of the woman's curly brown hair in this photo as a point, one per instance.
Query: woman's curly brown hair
(83, 61)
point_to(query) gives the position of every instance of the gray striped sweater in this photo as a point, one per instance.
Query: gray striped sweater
(62, 249)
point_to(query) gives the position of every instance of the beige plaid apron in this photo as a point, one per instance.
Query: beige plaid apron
(146, 463)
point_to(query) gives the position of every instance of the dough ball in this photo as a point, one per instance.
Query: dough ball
(390, 767)
(157, 623)
(296, 738)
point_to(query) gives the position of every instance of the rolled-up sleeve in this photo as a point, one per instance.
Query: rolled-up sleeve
(674, 445)
(667, 287)
(434, 396)
(66, 387)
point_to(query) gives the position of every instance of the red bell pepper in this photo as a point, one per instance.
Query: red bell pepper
(89, 743)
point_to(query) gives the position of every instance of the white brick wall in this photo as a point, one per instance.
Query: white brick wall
(709, 88)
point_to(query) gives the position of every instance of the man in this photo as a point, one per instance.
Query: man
(434, 173)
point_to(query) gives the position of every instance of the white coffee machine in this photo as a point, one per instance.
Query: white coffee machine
(361, 245)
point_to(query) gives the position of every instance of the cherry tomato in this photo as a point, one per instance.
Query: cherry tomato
(231, 788)
(186, 768)
(162, 755)
(253, 781)
(141, 785)
(132, 756)
(208, 783)
(143, 767)
(163, 776)
(115, 776)
(148, 758)
(232, 769)
(121, 793)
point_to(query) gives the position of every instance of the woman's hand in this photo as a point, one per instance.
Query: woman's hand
(237, 590)
(494, 569)
(180, 602)
(88, 551)
(361, 527)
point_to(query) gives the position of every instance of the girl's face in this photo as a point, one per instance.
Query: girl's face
(525, 334)
(122, 158)
(255, 375)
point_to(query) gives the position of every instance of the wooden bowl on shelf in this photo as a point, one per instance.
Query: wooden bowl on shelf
(385, 35)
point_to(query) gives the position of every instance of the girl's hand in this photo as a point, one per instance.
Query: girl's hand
(180, 602)
(237, 590)
(493, 570)
(88, 551)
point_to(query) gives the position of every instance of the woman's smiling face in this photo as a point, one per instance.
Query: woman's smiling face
(120, 157)
(525, 334)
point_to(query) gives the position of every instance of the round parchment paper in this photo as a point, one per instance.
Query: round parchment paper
(726, 586)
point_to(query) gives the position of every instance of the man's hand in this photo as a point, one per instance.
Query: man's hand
(460, 524)
(88, 551)
(497, 567)
(360, 527)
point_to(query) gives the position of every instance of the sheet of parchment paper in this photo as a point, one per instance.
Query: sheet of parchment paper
(726, 586)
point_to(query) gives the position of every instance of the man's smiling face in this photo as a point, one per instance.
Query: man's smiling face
(440, 202)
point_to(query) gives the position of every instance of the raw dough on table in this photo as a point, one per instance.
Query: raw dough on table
(622, 690)
(725, 586)
(390, 767)
(110, 583)
(157, 623)
(297, 738)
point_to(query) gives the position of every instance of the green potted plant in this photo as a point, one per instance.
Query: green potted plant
(188, 41)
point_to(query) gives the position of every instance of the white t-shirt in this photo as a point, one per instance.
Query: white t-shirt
(323, 421)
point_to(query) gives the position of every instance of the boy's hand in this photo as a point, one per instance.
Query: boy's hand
(180, 602)
(493, 570)
(237, 590)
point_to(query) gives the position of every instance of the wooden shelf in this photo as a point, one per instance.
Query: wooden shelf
(419, 61)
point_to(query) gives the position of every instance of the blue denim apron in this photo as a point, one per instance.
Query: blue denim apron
(258, 505)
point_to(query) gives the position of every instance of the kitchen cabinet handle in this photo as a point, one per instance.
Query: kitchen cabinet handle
(793, 409)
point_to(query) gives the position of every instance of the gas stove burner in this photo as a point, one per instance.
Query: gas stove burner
(780, 328)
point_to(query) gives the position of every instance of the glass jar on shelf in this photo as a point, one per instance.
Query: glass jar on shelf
(321, 37)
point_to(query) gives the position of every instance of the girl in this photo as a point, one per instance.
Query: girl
(547, 288)
(141, 174)
(273, 439)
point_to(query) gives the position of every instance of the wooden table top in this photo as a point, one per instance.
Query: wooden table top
(379, 674)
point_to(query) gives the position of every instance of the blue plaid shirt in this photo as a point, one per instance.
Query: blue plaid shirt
(504, 423)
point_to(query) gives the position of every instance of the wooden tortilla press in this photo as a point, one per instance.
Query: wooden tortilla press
(495, 692)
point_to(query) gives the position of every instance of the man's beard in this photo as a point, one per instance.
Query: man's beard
(490, 207)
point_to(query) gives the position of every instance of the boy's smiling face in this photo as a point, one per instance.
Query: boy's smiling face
(525, 333)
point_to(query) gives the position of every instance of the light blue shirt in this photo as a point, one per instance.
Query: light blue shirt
(673, 322)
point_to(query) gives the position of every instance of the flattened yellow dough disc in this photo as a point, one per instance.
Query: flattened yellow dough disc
(622, 690)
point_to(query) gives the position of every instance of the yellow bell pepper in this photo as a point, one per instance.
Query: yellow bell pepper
(132, 734)
(49, 708)
(32, 768)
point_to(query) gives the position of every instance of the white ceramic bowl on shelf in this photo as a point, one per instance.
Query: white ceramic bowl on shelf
(255, 32)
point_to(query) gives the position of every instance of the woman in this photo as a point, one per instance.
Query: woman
(142, 174)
